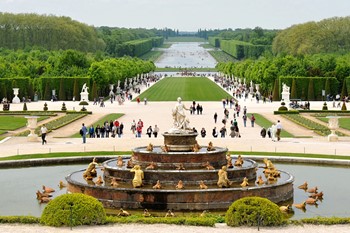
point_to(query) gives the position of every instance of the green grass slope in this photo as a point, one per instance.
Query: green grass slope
(188, 88)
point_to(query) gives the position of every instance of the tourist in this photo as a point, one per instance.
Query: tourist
(263, 132)
(244, 117)
(133, 127)
(203, 133)
(278, 130)
(83, 132)
(43, 131)
(149, 131)
(91, 131)
(244, 110)
(252, 120)
(223, 131)
(98, 131)
(215, 117)
(155, 131)
(215, 133)
(273, 132)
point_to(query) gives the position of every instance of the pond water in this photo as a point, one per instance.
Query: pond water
(19, 186)
(186, 55)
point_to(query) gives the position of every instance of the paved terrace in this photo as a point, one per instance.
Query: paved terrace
(160, 113)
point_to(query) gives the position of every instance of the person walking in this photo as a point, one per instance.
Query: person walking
(83, 132)
(43, 131)
(244, 120)
(149, 131)
(252, 120)
(278, 130)
(155, 131)
(215, 117)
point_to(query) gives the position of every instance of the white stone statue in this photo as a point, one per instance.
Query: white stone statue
(285, 88)
(84, 89)
(181, 122)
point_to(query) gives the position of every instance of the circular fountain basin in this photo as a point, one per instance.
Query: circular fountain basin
(189, 198)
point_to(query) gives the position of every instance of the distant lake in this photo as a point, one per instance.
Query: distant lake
(186, 55)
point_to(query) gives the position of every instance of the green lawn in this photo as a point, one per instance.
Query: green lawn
(100, 122)
(263, 122)
(188, 88)
(221, 56)
(175, 69)
(152, 55)
(12, 122)
(343, 122)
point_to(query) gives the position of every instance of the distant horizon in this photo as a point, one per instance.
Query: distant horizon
(184, 15)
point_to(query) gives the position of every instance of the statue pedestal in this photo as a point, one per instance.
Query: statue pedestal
(84, 96)
(32, 124)
(333, 125)
(333, 137)
(285, 97)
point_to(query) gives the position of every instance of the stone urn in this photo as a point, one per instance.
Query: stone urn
(15, 99)
(32, 124)
(333, 125)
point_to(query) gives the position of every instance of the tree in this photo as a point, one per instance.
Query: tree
(76, 89)
(276, 90)
(344, 91)
(311, 92)
(293, 93)
(62, 93)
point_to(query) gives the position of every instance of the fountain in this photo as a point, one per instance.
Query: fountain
(333, 125)
(180, 175)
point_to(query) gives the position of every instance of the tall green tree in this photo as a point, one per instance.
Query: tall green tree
(293, 92)
(311, 92)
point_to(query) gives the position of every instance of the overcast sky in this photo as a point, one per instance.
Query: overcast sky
(185, 15)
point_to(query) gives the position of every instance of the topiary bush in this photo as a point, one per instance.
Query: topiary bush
(25, 106)
(45, 107)
(86, 210)
(64, 108)
(324, 107)
(283, 107)
(343, 107)
(248, 211)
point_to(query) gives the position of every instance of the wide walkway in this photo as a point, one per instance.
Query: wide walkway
(159, 113)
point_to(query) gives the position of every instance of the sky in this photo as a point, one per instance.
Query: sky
(185, 15)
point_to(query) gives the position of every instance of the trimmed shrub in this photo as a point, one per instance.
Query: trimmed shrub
(86, 210)
(324, 107)
(251, 211)
(283, 107)
(311, 92)
(275, 93)
(45, 107)
(83, 103)
(64, 108)
(343, 107)
(25, 106)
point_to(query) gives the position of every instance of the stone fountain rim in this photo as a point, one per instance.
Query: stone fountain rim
(148, 190)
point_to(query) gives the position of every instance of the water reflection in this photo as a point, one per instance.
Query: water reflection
(186, 55)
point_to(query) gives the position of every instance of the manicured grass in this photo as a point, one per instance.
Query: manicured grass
(64, 154)
(221, 56)
(174, 69)
(12, 122)
(185, 39)
(188, 88)
(152, 55)
(207, 46)
(100, 122)
(263, 122)
(165, 46)
(343, 122)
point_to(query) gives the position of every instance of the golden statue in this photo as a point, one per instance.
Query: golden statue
(180, 185)
(120, 162)
(202, 185)
(149, 147)
(239, 161)
(223, 180)
(137, 181)
(152, 166)
(169, 214)
(165, 148)
(130, 164)
(260, 181)
(210, 147)
(245, 182)
(208, 166)
(114, 182)
(229, 162)
(146, 213)
(90, 171)
(196, 147)
(47, 189)
(99, 180)
(157, 185)
(180, 166)
(303, 186)
(123, 213)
